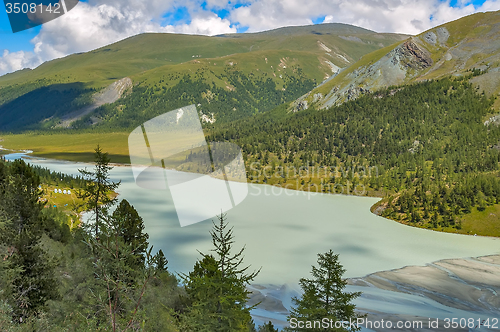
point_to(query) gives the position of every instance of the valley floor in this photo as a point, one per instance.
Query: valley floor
(79, 147)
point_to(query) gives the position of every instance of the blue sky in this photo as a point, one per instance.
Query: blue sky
(95, 23)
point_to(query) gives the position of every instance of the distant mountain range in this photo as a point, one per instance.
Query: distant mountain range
(232, 76)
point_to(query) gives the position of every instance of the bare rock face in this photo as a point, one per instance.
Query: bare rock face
(442, 35)
(430, 37)
(107, 96)
(415, 57)
(113, 92)
(402, 63)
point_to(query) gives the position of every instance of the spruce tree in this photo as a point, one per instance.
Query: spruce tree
(28, 272)
(98, 187)
(131, 227)
(216, 288)
(268, 327)
(324, 295)
(161, 262)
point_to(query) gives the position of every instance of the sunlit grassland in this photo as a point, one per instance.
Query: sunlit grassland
(72, 146)
(70, 204)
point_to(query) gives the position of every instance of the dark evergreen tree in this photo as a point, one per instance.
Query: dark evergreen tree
(324, 295)
(98, 188)
(216, 288)
(161, 261)
(268, 327)
(28, 272)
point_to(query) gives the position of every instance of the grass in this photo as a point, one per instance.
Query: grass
(486, 222)
(72, 146)
(478, 222)
(71, 205)
(144, 52)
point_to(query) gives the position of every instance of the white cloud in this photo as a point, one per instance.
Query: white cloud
(211, 25)
(490, 5)
(402, 16)
(12, 61)
(98, 23)
(270, 14)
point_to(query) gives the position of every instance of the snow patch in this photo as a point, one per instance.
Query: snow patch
(205, 118)
(342, 57)
(335, 68)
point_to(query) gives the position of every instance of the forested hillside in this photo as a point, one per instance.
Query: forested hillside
(238, 75)
(243, 97)
(104, 275)
(452, 48)
(424, 147)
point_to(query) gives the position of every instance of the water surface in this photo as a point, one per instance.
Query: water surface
(284, 230)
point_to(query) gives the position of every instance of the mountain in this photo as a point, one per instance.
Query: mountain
(468, 45)
(280, 65)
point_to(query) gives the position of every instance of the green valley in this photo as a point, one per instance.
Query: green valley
(259, 71)
(424, 126)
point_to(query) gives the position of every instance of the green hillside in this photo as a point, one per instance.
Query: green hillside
(159, 61)
(454, 48)
(424, 148)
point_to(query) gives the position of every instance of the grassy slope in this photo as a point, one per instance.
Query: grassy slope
(151, 58)
(147, 51)
(471, 28)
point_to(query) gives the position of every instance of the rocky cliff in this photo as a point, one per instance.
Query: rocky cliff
(455, 48)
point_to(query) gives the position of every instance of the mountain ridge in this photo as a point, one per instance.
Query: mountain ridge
(159, 61)
(454, 48)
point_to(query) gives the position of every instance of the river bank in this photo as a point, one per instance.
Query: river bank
(464, 288)
(284, 230)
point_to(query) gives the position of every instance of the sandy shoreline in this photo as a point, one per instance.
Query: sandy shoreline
(467, 286)
(470, 284)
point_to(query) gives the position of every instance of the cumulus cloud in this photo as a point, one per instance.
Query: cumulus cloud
(211, 25)
(269, 14)
(401, 16)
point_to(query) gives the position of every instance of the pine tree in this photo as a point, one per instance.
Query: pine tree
(161, 262)
(324, 295)
(268, 327)
(216, 288)
(131, 227)
(98, 187)
(28, 272)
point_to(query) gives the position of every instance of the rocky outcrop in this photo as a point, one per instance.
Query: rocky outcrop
(413, 56)
(107, 96)
(403, 62)
(430, 55)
